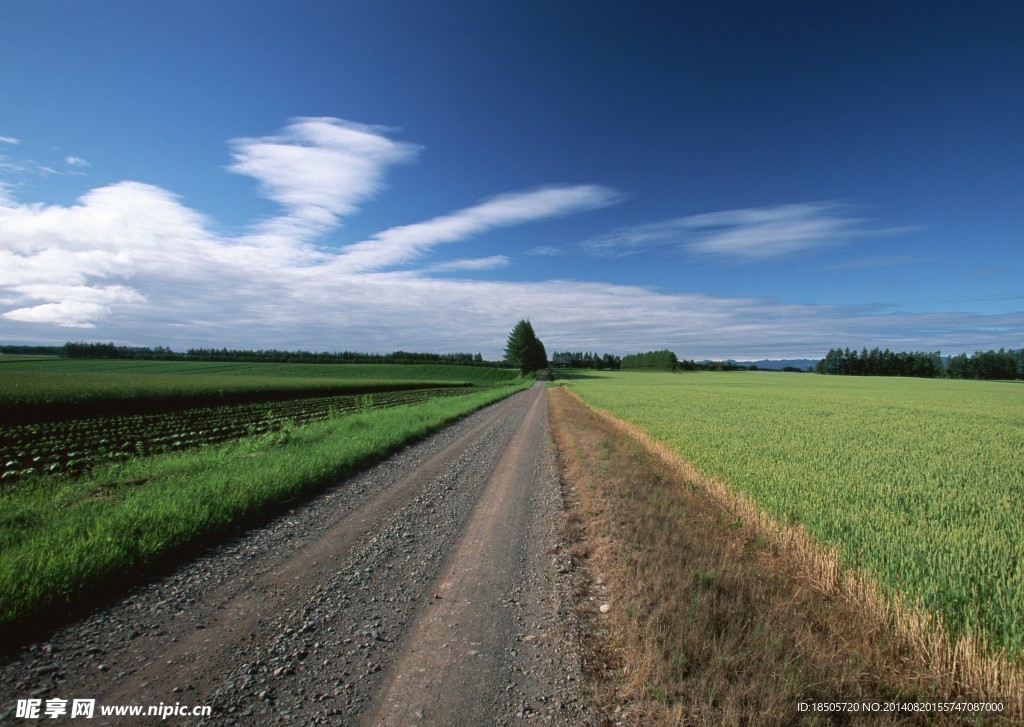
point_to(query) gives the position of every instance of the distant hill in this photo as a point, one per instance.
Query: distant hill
(779, 364)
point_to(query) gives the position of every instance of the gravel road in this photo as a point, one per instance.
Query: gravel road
(429, 589)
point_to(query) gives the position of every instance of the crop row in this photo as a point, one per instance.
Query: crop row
(48, 390)
(70, 447)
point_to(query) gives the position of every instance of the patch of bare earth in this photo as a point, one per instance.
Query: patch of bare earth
(694, 616)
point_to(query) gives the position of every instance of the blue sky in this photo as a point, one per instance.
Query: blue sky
(724, 179)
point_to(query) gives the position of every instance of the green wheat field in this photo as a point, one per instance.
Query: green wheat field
(917, 483)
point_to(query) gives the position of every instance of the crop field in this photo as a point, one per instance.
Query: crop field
(89, 498)
(50, 389)
(71, 446)
(61, 416)
(919, 484)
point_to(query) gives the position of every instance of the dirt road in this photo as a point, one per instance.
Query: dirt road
(426, 590)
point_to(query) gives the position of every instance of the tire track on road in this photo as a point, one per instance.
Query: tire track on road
(450, 669)
(303, 619)
(234, 614)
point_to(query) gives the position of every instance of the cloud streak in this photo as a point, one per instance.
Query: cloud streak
(407, 242)
(751, 234)
(475, 264)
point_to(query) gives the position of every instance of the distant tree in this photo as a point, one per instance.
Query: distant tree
(89, 350)
(886, 363)
(524, 349)
(663, 360)
(609, 361)
(19, 350)
(580, 360)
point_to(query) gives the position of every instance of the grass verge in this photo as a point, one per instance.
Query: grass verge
(60, 539)
(711, 619)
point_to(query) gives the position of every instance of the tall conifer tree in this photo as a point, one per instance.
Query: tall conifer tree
(524, 349)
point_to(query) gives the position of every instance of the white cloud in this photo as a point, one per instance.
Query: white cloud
(77, 306)
(131, 251)
(76, 161)
(483, 263)
(319, 169)
(544, 250)
(9, 140)
(744, 234)
(85, 261)
(134, 263)
(402, 244)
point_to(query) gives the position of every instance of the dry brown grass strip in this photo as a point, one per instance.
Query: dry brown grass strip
(719, 615)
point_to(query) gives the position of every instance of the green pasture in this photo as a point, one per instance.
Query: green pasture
(918, 482)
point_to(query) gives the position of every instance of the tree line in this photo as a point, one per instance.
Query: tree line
(346, 357)
(663, 360)
(1001, 364)
(584, 360)
(526, 352)
(27, 350)
(162, 353)
(109, 350)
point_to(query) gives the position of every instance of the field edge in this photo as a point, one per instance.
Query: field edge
(964, 665)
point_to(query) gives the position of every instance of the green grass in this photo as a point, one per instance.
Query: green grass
(919, 483)
(60, 538)
(73, 446)
(41, 389)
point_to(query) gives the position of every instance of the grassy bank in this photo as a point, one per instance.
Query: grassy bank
(59, 538)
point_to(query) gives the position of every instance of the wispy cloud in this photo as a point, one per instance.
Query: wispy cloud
(749, 234)
(318, 170)
(547, 250)
(11, 167)
(407, 242)
(18, 167)
(482, 263)
(876, 262)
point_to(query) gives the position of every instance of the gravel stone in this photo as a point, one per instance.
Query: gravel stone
(209, 633)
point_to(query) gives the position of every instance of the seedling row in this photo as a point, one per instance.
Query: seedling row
(71, 447)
